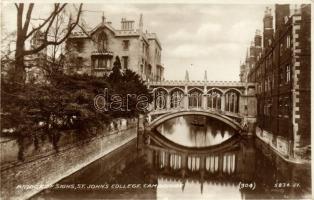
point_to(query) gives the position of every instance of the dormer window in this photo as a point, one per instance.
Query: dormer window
(102, 41)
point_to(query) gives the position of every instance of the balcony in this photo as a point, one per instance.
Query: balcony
(104, 53)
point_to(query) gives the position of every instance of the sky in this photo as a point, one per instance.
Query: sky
(194, 37)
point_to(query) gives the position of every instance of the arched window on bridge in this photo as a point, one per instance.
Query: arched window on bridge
(176, 99)
(160, 99)
(214, 99)
(195, 99)
(232, 101)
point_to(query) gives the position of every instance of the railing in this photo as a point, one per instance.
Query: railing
(102, 53)
(217, 111)
(199, 83)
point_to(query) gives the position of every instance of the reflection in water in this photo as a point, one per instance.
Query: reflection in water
(189, 174)
(192, 190)
(195, 131)
(218, 174)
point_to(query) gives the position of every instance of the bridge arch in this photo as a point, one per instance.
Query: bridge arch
(195, 89)
(233, 89)
(160, 88)
(176, 88)
(159, 120)
(214, 88)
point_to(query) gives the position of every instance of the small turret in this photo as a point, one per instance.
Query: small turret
(187, 76)
(140, 24)
(205, 75)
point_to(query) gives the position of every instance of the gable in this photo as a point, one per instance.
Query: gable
(101, 27)
(100, 32)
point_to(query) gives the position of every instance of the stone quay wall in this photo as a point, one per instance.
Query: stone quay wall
(46, 166)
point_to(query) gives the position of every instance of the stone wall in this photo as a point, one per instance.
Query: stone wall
(41, 170)
(282, 146)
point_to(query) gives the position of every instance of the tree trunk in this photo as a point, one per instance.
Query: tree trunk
(19, 72)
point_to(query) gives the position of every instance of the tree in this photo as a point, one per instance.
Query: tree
(130, 87)
(7, 53)
(115, 75)
(23, 34)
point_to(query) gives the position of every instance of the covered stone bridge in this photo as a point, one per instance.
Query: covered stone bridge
(231, 102)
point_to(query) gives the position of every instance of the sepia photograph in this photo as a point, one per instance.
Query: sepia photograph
(156, 100)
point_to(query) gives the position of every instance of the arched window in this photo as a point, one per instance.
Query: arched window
(195, 99)
(102, 41)
(176, 99)
(232, 101)
(160, 99)
(214, 100)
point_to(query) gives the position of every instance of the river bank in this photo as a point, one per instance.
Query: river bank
(22, 179)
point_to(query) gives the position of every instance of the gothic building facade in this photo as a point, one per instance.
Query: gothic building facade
(281, 69)
(94, 51)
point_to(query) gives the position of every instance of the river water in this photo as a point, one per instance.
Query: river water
(189, 157)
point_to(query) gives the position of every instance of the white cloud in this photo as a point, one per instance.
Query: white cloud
(212, 37)
(191, 51)
(208, 29)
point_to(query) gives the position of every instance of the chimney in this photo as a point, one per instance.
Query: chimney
(282, 11)
(268, 28)
(140, 24)
(127, 24)
(258, 38)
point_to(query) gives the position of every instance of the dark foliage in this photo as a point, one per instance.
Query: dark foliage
(66, 102)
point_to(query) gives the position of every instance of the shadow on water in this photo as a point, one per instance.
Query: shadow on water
(247, 169)
(195, 131)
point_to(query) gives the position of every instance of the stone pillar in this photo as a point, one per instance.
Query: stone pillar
(186, 98)
(168, 100)
(186, 102)
(204, 100)
(223, 102)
